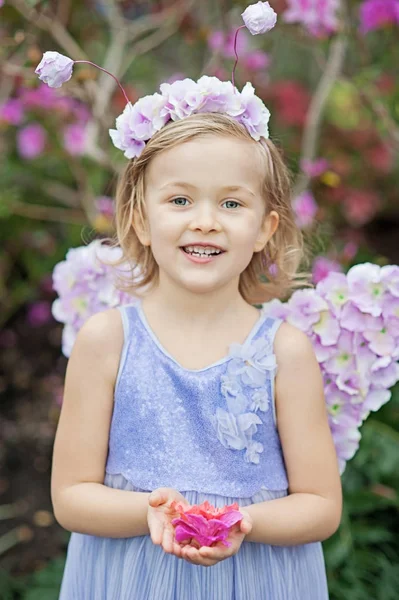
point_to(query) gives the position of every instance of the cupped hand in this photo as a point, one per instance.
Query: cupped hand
(207, 556)
(160, 516)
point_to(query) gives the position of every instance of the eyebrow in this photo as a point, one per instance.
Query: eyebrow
(229, 188)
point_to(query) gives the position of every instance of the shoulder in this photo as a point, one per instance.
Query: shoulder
(102, 327)
(292, 344)
(102, 337)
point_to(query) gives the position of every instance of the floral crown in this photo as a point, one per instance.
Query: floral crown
(139, 122)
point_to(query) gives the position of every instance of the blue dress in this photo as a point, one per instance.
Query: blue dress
(210, 433)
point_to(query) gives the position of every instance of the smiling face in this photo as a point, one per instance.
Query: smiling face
(205, 212)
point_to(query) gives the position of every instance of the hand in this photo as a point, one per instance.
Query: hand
(160, 516)
(207, 556)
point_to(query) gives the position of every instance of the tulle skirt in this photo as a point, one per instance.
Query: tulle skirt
(99, 568)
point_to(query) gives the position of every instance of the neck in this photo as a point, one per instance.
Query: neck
(180, 304)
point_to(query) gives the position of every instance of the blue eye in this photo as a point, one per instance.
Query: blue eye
(232, 202)
(179, 198)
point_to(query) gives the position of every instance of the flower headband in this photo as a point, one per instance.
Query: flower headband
(138, 122)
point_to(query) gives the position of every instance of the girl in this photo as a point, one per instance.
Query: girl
(191, 393)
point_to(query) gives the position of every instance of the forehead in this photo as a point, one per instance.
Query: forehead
(212, 161)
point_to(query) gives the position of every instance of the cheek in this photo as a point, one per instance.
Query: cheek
(247, 231)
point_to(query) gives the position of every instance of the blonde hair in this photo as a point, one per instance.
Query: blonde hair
(272, 273)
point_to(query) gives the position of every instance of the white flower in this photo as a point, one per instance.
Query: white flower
(54, 69)
(259, 17)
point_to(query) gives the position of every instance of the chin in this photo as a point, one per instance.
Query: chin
(202, 287)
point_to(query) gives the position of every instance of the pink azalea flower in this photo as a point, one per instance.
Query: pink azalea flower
(291, 102)
(105, 206)
(319, 17)
(257, 60)
(74, 137)
(314, 168)
(31, 140)
(204, 524)
(305, 209)
(40, 97)
(39, 313)
(322, 266)
(360, 206)
(376, 14)
(218, 41)
(12, 111)
(350, 250)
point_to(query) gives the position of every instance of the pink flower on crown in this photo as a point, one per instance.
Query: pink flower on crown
(255, 116)
(138, 123)
(219, 96)
(181, 98)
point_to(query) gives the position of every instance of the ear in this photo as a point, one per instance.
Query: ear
(141, 228)
(269, 227)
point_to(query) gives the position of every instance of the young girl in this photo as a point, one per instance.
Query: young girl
(191, 393)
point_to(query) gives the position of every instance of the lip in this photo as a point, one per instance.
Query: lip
(204, 244)
(203, 259)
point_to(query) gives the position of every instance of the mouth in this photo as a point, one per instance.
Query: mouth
(202, 251)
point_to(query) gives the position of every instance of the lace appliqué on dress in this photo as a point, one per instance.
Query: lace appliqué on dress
(244, 387)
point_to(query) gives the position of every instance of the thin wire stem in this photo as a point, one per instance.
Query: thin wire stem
(235, 52)
(105, 71)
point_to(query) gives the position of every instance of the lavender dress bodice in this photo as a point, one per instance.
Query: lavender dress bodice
(211, 430)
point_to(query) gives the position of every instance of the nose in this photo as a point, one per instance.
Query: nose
(204, 218)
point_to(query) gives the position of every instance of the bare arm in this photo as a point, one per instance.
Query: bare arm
(312, 511)
(81, 501)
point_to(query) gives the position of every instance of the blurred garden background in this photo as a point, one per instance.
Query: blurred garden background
(329, 74)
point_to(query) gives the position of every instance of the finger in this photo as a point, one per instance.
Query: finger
(156, 533)
(156, 498)
(168, 539)
(194, 557)
(214, 553)
(177, 550)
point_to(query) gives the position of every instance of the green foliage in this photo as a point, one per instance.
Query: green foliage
(41, 585)
(362, 557)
